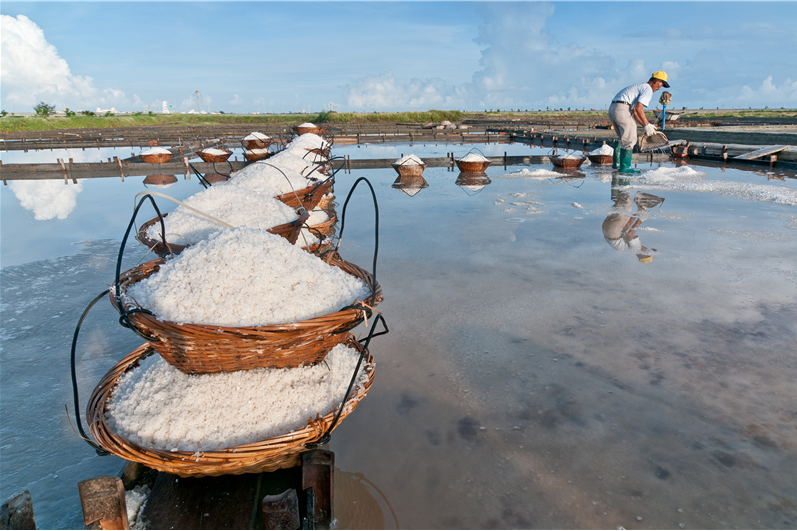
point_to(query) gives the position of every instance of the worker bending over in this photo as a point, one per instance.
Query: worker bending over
(626, 111)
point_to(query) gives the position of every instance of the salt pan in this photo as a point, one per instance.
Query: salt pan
(157, 406)
(245, 277)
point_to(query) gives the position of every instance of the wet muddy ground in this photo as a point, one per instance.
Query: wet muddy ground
(534, 376)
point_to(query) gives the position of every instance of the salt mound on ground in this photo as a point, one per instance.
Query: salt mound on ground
(473, 157)
(526, 174)
(157, 406)
(605, 149)
(409, 160)
(246, 277)
(264, 177)
(156, 151)
(235, 206)
(309, 141)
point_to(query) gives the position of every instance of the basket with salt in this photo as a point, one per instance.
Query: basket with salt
(307, 127)
(473, 163)
(410, 184)
(409, 166)
(256, 141)
(321, 221)
(161, 181)
(568, 161)
(156, 155)
(309, 197)
(117, 433)
(601, 156)
(252, 155)
(203, 312)
(214, 155)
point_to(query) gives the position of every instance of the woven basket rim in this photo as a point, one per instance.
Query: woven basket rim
(187, 463)
(152, 322)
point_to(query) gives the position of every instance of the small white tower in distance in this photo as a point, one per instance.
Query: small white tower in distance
(165, 108)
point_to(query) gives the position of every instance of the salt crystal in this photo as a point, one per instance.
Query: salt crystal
(473, 157)
(409, 160)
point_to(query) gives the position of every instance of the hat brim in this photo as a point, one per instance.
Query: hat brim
(664, 83)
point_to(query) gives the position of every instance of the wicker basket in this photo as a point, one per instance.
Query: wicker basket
(326, 227)
(289, 231)
(156, 158)
(214, 158)
(251, 156)
(475, 166)
(601, 160)
(308, 197)
(409, 170)
(303, 130)
(197, 348)
(160, 180)
(215, 178)
(256, 143)
(561, 162)
(318, 151)
(410, 184)
(283, 451)
(326, 201)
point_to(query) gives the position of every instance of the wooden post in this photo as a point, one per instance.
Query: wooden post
(281, 511)
(317, 466)
(103, 500)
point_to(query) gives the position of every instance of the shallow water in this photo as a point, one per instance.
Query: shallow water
(534, 376)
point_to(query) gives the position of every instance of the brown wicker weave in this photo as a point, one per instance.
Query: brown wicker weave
(160, 180)
(197, 348)
(251, 156)
(256, 143)
(326, 201)
(214, 158)
(326, 227)
(318, 151)
(289, 231)
(308, 197)
(283, 451)
(600, 160)
(561, 162)
(214, 178)
(303, 130)
(409, 170)
(156, 158)
(475, 166)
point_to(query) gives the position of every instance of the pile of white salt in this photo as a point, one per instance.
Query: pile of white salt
(605, 149)
(157, 406)
(245, 277)
(409, 160)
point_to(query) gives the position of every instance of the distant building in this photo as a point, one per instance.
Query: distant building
(165, 108)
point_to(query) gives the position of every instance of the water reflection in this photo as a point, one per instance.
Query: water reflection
(359, 504)
(47, 199)
(160, 181)
(410, 184)
(619, 228)
(472, 183)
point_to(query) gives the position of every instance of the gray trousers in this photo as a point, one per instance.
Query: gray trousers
(624, 124)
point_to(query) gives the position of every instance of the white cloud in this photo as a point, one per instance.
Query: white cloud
(47, 199)
(383, 93)
(32, 70)
(767, 94)
(236, 100)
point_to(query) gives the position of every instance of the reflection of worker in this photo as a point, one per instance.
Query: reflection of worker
(619, 229)
(626, 111)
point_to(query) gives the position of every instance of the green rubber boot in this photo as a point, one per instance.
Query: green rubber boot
(616, 159)
(625, 162)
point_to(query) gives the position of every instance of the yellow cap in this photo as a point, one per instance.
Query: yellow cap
(662, 75)
(645, 259)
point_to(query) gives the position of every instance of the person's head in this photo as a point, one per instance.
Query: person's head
(658, 80)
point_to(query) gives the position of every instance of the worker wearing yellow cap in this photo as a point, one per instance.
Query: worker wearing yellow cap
(626, 111)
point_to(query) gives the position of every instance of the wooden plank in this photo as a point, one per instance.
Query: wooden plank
(769, 150)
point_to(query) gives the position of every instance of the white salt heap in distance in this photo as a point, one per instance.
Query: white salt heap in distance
(233, 205)
(256, 136)
(214, 151)
(409, 160)
(157, 406)
(309, 141)
(605, 149)
(307, 124)
(246, 277)
(155, 151)
(473, 157)
(571, 156)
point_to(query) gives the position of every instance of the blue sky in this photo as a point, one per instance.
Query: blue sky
(383, 56)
